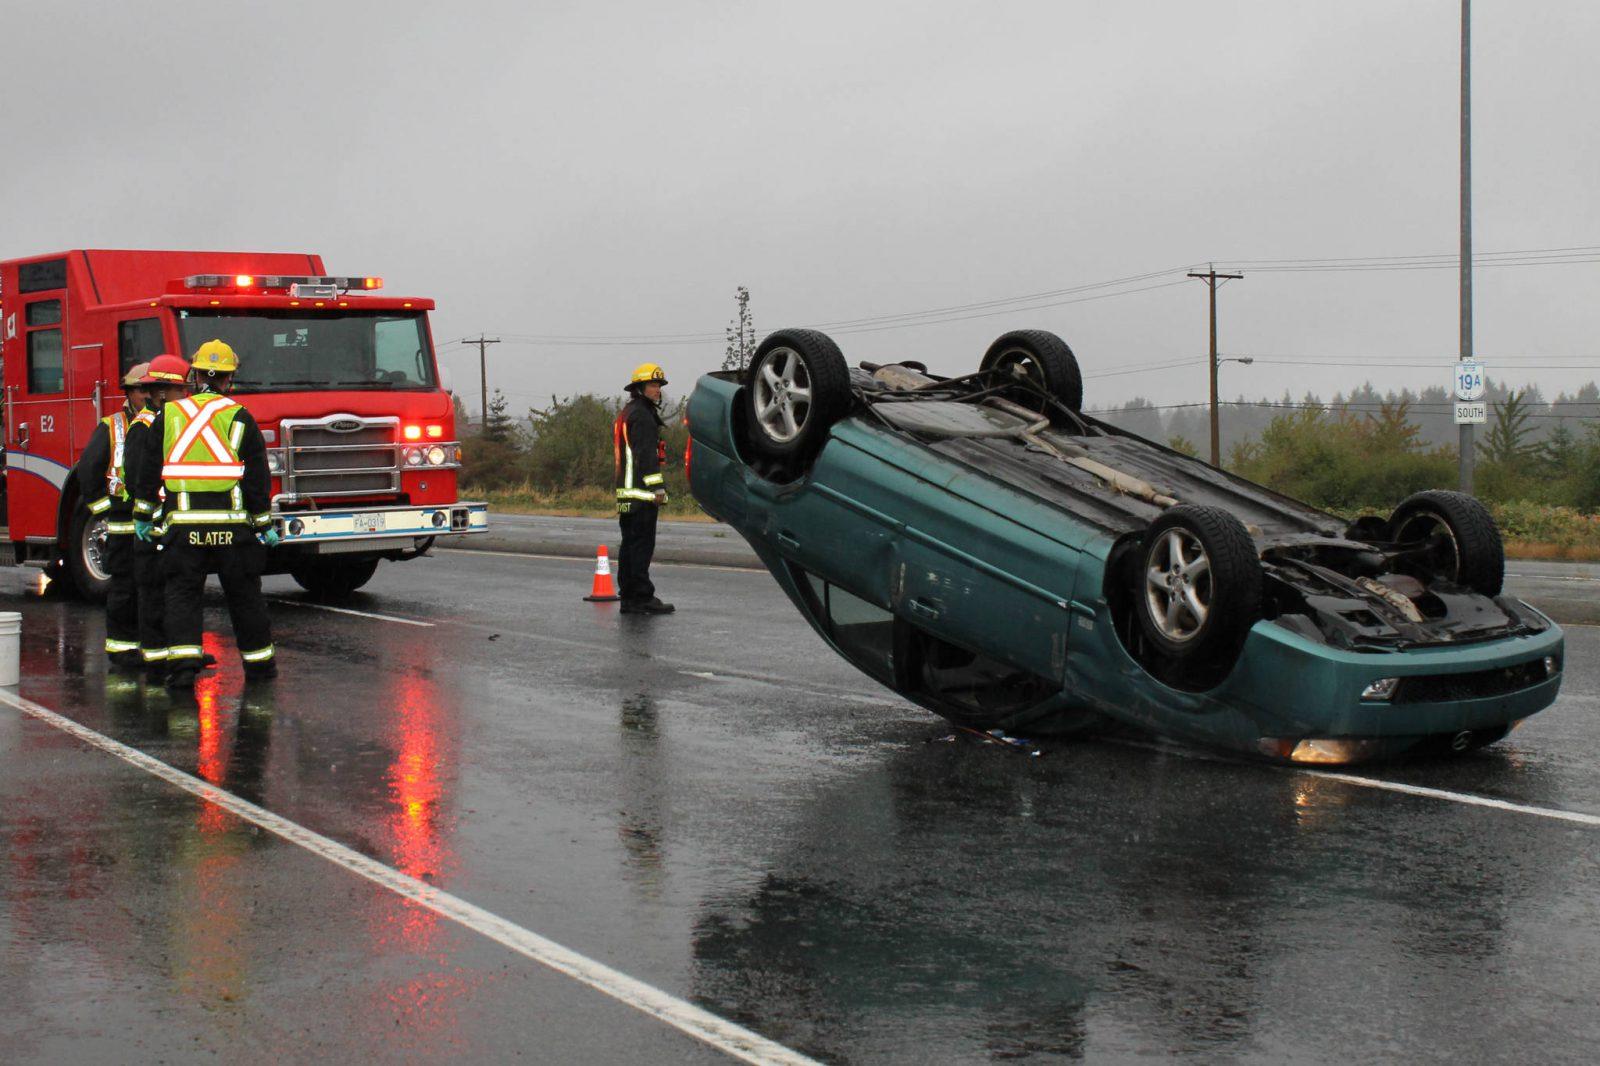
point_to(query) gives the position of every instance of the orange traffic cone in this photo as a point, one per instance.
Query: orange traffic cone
(604, 590)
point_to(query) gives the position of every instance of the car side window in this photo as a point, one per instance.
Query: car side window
(863, 630)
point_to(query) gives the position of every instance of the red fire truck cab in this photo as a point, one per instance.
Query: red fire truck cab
(361, 438)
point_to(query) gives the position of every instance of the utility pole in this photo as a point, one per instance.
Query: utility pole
(483, 373)
(1212, 280)
(1466, 445)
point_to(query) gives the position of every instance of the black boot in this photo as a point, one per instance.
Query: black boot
(651, 606)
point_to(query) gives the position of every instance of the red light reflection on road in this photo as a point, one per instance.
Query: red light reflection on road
(416, 791)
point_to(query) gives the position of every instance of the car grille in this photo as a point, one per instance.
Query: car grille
(340, 456)
(1447, 688)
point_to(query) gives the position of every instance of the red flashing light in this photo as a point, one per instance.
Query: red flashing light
(413, 432)
(243, 281)
(435, 432)
(370, 283)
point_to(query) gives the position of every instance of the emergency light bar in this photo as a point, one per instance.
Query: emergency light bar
(279, 281)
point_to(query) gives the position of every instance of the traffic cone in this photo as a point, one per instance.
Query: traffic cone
(604, 590)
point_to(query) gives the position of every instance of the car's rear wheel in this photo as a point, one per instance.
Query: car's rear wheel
(1449, 535)
(1043, 359)
(333, 577)
(797, 387)
(85, 555)
(1199, 588)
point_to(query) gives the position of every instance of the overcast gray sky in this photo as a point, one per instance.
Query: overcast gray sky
(579, 170)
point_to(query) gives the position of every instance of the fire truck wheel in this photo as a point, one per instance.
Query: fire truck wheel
(333, 577)
(85, 555)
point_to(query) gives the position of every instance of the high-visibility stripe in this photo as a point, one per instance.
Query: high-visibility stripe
(143, 507)
(153, 655)
(203, 517)
(236, 434)
(654, 479)
(206, 471)
(260, 656)
(636, 494)
(185, 651)
(262, 519)
(101, 505)
(117, 528)
(116, 646)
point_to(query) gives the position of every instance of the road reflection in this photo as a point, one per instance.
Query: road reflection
(967, 892)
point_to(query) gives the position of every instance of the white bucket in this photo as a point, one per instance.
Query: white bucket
(10, 647)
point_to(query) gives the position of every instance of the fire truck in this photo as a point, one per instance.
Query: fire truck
(361, 438)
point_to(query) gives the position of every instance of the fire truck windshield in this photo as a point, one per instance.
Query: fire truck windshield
(280, 351)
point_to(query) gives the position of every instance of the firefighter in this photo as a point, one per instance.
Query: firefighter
(208, 454)
(166, 380)
(103, 481)
(641, 488)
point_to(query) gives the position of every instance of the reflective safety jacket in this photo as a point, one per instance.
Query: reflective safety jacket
(208, 454)
(102, 480)
(640, 453)
(134, 454)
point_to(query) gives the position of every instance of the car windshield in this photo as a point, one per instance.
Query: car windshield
(279, 351)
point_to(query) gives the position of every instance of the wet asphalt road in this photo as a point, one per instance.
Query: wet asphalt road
(715, 804)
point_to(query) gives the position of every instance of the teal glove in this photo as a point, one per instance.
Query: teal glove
(143, 529)
(270, 536)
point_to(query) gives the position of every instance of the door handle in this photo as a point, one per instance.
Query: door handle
(22, 436)
(787, 539)
(924, 608)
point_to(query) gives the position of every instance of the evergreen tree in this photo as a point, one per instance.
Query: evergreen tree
(741, 334)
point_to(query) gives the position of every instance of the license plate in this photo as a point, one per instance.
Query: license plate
(369, 523)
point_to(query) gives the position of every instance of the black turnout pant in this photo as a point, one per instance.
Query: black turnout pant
(638, 547)
(122, 610)
(152, 601)
(186, 558)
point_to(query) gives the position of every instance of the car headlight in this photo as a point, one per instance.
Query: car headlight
(437, 455)
(1381, 690)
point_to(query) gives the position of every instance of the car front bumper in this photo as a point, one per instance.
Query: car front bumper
(1286, 689)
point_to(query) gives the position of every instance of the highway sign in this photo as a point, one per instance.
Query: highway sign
(1471, 414)
(1470, 381)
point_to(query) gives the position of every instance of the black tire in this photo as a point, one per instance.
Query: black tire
(1226, 586)
(1449, 535)
(1044, 358)
(332, 577)
(781, 426)
(83, 555)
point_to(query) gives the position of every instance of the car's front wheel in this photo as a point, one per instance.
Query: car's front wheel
(1199, 588)
(1449, 535)
(797, 387)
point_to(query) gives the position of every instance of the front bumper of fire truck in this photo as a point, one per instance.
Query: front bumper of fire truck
(380, 529)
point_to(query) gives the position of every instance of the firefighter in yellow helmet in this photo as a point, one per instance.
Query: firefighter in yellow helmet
(208, 454)
(641, 488)
(103, 484)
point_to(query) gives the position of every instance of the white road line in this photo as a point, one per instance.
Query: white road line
(588, 560)
(346, 610)
(700, 1024)
(1576, 817)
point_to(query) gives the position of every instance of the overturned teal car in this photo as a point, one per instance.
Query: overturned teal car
(986, 549)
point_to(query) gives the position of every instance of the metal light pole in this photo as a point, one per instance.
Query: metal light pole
(1466, 444)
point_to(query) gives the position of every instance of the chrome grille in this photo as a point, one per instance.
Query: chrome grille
(341, 455)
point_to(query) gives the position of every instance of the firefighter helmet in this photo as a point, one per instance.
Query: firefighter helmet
(165, 369)
(137, 377)
(646, 374)
(215, 357)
